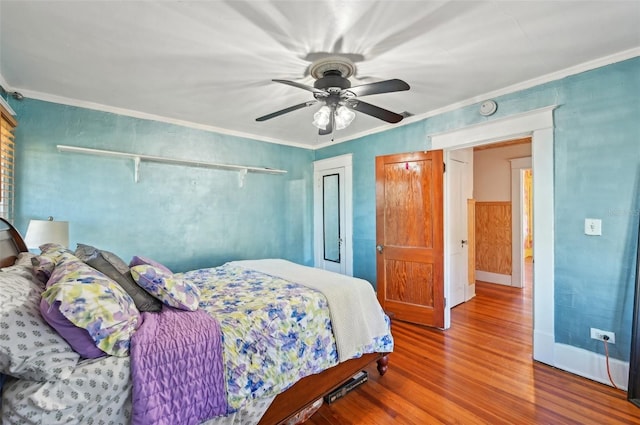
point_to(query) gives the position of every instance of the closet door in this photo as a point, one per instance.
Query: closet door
(333, 214)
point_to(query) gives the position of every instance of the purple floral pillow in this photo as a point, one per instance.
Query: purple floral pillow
(78, 338)
(92, 301)
(141, 261)
(171, 290)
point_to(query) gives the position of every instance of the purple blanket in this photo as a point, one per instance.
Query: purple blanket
(177, 368)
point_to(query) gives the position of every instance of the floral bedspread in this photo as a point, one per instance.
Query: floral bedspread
(272, 338)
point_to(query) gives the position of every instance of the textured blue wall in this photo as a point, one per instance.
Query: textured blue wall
(597, 175)
(182, 216)
(190, 217)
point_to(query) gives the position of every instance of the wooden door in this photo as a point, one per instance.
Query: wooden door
(409, 232)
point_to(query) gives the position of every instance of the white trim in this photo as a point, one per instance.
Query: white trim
(543, 235)
(524, 162)
(573, 70)
(345, 162)
(6, 106)
(152, 117)
(517, 222)
(500, 279)
(484, 133)
(554, 76)
(539, 125)
(591, 365)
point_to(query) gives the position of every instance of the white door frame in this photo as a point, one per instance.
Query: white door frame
(344, 162)
(539, 125)
(517, 219)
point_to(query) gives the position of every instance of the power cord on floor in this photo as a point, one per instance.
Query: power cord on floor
(606, 351)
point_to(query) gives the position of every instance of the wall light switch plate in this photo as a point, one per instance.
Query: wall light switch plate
(593, 226)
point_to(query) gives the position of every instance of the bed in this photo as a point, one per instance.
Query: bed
(108, 388)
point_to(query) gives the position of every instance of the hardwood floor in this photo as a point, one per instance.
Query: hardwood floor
(478, 372)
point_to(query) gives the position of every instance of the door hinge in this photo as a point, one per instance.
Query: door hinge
(444, 167)
(445, 301)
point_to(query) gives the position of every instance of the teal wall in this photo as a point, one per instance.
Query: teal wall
(190, 217)
(597, 175)
(185, 217)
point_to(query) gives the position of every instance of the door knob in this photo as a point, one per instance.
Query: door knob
(462, 242)
(379, 248)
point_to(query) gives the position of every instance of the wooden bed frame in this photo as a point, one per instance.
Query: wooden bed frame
(286, 404)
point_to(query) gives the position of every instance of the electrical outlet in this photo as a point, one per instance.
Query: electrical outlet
(598, 334)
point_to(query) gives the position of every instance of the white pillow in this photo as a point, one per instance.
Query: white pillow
(29, 347)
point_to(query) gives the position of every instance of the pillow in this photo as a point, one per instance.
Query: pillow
(171, 290)
(92, 301)
(44, 263)
(140, 261)
(42, 268)
(24, 259)
(115, 268)
(78, 338)
(29, 348)
(23, 271)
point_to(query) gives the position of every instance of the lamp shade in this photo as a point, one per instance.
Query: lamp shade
(40, 232)
(344, 117)
(322, 117)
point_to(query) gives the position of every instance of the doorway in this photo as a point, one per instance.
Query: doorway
(333, 214)
(459, 183)
(498, 182)
(538, 124)
(522, 224)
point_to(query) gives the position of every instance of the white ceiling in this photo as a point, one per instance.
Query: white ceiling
(209, 64)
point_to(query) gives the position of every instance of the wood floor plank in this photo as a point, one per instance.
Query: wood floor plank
(480, 371)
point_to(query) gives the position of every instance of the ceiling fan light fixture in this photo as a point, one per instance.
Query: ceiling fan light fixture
(344, 117)
(322, 117)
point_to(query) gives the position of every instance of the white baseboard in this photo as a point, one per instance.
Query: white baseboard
(501, 279)
(591, 365)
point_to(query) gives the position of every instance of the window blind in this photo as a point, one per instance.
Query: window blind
(7, 169)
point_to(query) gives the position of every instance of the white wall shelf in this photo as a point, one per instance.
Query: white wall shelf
(137, 158)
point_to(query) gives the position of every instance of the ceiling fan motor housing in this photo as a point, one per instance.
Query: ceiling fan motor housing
(332, 78)
(334, 92)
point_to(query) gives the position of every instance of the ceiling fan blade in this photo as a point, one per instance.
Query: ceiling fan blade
(287, 110)
(375, 111)
(300, 86)
(386, 86)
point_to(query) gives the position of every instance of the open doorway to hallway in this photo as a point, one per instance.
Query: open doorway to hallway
(502, 182)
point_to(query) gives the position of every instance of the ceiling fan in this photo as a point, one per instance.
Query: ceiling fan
(333, 90)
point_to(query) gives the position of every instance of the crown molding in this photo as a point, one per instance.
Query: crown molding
(554, 76)
(46, 97)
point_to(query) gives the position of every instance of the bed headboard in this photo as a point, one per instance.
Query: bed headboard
(11, 243)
